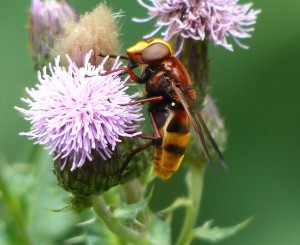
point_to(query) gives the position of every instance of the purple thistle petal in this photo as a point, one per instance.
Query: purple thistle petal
(199, 19)
(74, 111)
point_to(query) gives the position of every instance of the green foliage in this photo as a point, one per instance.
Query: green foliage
(159, 232)
(216, 234)
(132, 222)
(93, 232)
(130, 211)
(178, 203)
(23, 203)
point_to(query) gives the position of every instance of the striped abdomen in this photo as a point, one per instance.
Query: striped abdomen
(168, 151)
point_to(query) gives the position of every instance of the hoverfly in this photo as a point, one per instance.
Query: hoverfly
(172, 105)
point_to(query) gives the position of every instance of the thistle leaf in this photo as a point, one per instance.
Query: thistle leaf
(216, 234)
(65, 208)
(178, 203)
(159, 231)
(130, 211)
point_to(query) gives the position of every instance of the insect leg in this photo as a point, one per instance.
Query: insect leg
(114, 56)
(154, 125)
(145, 146)
(131, 155)
(146, 100)
(148, 137)
(156, 134)
(126, 69)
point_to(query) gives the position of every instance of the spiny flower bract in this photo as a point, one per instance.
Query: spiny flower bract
(215, 20)
(77, 112)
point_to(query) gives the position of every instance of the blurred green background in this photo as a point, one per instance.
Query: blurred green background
(257, 93)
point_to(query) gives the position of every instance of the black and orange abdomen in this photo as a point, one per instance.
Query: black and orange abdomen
(169, 151)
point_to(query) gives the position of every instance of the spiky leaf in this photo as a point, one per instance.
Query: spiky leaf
(216, 234)
(159, 231)
(130, 211)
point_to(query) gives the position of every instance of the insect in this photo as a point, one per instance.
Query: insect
(172, 105)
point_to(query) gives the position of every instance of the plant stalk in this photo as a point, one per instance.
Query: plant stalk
(195, 179)
(134, 193)
(114, 225)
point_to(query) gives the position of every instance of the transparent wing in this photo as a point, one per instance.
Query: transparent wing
(199, 126)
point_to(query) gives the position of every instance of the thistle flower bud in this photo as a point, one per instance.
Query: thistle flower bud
(215, 123)
(46, 25)
(97, 31)
(216, 126)
(99, 175)
(94, 177)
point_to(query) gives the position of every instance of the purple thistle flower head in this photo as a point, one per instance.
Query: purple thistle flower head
(47, 18)
(215, 20)
(76, 112)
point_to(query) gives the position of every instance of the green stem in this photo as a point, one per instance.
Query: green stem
(134, 193)
(194, 180)
(116, 227)
(195, 58)
(15, 212)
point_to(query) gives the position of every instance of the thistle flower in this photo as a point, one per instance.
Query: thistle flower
(215, 20)
(46, 25)
(76, 111)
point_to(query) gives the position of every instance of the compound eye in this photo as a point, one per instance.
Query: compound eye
(155, 53)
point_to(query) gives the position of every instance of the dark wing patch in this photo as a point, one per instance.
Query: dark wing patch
(199, 127)
(197, 115)
(196, 127)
